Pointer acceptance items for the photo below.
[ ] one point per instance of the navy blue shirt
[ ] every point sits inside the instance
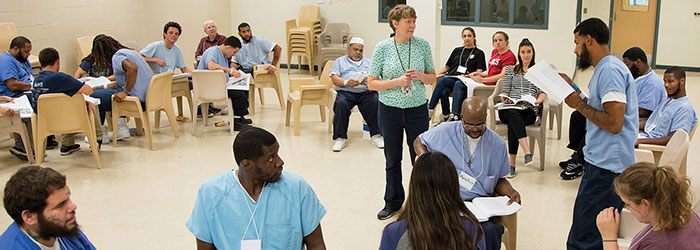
(48, 82)
(395, 236)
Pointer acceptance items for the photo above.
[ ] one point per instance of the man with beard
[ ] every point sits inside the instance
(255, 51)
(480, 156)
(612, 122)
(257, 205)
(38, 200)
(345, 73)
(650, 87)
(674, 113)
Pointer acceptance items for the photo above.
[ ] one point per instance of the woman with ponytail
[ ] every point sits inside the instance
(659, 197)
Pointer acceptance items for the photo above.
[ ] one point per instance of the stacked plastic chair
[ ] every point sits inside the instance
(333, 42)
(301, 40)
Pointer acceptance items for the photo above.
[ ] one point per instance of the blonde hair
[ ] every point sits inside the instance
(400, 11)
(663, 187)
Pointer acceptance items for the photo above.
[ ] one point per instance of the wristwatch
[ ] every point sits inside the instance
(345, 82)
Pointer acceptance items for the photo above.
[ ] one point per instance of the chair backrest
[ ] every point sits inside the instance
(159, 91)
(644, 155)
(676, 149)
(696, 208)
(335, 34)
(59, 113)
(497, 91)
(8, 31)
(83, 47)
(308, 14)
(325, 77)
(692, 132)
(209, 85)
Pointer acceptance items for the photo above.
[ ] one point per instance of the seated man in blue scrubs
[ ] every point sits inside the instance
(38, 200)
(257, 205)
(480, 156)
(255, 51)
(675, 112)
(650, 87)
(165, 55)
(218, 58)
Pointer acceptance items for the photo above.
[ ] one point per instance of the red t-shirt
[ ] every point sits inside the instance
(498, 62)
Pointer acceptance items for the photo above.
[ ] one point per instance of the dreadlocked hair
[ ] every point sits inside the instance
(103, 48)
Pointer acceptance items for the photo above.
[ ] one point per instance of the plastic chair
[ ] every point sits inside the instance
(299, 43)
(305, 91)
(209, 86)
(157, 98)
(510, 234)
(658, 151)
(555, 111)
(535, 132)
(14, 125)
(333, 42)
(61, 114)
(8, 31)
(181, 88)
(676, 150)
(481, 91)
(644, 155)
(265, 80)
(83, 47)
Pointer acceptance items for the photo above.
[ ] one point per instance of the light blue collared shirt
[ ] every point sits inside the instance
(650, 90)
(347, 69)
(671, 115)
(143, 76)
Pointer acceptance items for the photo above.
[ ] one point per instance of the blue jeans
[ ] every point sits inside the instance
(595, 193)
(393, 122)
(442, 93)
(493, 234)
(345, 101)
(105, 96)
(459, 93)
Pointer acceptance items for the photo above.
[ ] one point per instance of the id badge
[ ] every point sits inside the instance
(652, 127)
(466, 181)
(461, 69)
(251, 244)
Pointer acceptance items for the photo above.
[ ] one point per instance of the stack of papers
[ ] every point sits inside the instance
(239, 83)
(484, 208)
(20, 105)
(548, 80)
(89, 99)
(95, 81)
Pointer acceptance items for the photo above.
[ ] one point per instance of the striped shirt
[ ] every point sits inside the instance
(516, 84)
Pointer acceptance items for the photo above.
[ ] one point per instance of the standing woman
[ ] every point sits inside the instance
(501, 56)
(515, 85)
(463, 61)
(401, 65)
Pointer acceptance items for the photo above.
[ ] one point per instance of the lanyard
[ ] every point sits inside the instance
(399, 55)
(252, 212)
(468, 57)
(465, 147)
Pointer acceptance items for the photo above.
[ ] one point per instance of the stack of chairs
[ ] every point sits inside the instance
(301, 40)
(333, 42)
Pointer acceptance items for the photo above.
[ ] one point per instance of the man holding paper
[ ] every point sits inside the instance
(255, 51)
(480, 156)
(612, 123)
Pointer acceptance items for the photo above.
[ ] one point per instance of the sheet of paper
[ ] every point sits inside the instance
(548, 80)
(20, 104)
(95, 81)
(182, 75)
(476, 211)
(496, 206)
(240, 83)
(471, 84)
(94, 101)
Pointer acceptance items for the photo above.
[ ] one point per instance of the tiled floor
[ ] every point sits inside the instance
(140, 199)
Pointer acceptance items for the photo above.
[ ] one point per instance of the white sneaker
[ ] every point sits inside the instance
(338, 145)
(106, 137)
(377, 140)
(122, 129)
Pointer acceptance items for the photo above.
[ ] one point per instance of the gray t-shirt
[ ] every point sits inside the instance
(172, 57)
(255, 52)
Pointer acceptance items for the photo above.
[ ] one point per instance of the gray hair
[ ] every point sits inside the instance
(207, 22)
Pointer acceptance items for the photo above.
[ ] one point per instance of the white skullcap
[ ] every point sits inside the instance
(357, 40)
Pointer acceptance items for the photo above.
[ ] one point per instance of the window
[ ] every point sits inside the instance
(497, 13)
(385, 6)
(635, 5)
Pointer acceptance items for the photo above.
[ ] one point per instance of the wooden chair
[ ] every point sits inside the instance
(14, 125)
(658, 151)
(61, 114)
(209, 86)
(262, 80)
(158, 98)
(305, 91)
(83, 47)
(535, 132)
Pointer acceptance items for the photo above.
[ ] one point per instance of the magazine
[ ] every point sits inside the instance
(239, 83)
(525, 102)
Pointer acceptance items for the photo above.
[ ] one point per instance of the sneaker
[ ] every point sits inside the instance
(572, 171)
(199, 114)
(238, 125)
(224, 111)
(19, 153)
(122, 129)
(452, 117)
(51, 143)
(528, 159)
(244, 120)
(66, 150)
(214, 110)
(512, 172)
(385, 214)
(563, 164)
(377, 140)
(340, 144)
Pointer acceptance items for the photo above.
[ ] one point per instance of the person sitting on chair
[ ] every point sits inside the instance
(165, 55)
(255, 51)
(213, 38)
(650, 87)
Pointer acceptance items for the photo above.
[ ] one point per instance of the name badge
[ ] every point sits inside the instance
(466, 181)
(251, 244)
(461, 69)
(652, 126)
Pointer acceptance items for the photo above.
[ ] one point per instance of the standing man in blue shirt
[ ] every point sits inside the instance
(255, 51)
(650, 87)
(39, 202)
(166, 55)
(612, 122)
(257, 206)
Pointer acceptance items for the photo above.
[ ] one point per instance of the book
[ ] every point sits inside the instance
(525, 101)
(95, 81)
(21, 105)
(484, 208)
(239, 83)
(545, 77)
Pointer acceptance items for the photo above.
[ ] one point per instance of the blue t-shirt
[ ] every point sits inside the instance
(88, 65)
(255, 52)
(489, 162)
(613, 152)
(395, 235)
(14, 239)
(348, 69)
(48, 82)
(143, 76)
(286, 211)
(213, 54)
(671, 115)
(650, 91)
(11, 68)
(172, 57)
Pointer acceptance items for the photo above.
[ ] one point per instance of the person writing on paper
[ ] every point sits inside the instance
(218, 58)
(257, 205)
(87, 68)
(165, 55)
(656, 196)
(501, 56)
(213, 38)
(463, 61)
(515, 86)
(611, 130)
(256, 51)
(434, 217)
(650, 87)
(674, 113)
(345, 73)
(401, 66)
(479, 156)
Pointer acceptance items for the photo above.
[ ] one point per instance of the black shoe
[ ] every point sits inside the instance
(51, 143)
(243, 120)
(209, 114)
(213, 110)
(563, 164)
(66, 150)
(19, 153)
(572, 171)
(238, 125)
(385, 214)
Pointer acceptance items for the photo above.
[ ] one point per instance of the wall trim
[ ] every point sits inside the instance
(687, 69)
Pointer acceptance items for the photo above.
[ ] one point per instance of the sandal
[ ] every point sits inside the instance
(181, 119)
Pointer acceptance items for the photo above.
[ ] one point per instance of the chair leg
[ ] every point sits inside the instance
(40, 147)
(179, 105)
(278, 89)
(92, 139)
(322, 109)
(229, 105)
(551, 120)
(289, 63)
(205, 112)
(156, 122)
(140, 124)
(299, 63)
(115, 126)
(289, 109)
(331, 116)
(146, 123)
(251, 97)
(188, 95)
(194, 120)
(25, 140)
(171, 118)
(297, 116)
(559, 115)
(262, 96)
(542, 143)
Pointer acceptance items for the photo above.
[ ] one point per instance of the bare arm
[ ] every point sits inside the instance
(443, 70)
(644, 113)
(132, 71)
(185, 70)
(490, 78)
(277, 52)
(419, 147)
(16, 85)
(503, 187)
(314, 241)
(86, 90)
(611, 118)
(214, 66)
(153, 60)
(201, 245)
(79, 73)
(655, 141)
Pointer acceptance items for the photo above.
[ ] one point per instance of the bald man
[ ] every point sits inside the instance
(480, 156)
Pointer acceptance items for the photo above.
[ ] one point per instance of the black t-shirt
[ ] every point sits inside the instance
(88, 65)
(48, 82)
(473, 58)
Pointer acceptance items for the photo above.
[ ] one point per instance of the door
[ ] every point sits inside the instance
(633, 25)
